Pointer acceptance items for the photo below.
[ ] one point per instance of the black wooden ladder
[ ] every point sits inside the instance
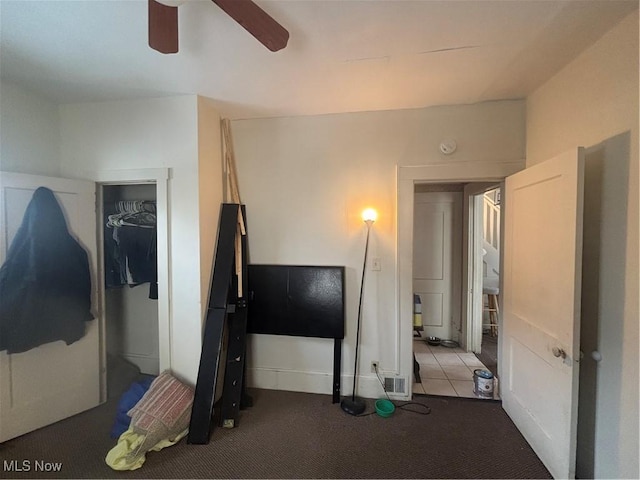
(226, 305)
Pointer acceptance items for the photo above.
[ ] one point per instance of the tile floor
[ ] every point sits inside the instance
(445, 371)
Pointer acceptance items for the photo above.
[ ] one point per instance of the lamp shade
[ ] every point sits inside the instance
(369, 215)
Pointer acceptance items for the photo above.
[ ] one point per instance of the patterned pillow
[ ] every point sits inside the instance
(163, 412)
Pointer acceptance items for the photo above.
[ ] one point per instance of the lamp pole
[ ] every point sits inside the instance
(355, 406)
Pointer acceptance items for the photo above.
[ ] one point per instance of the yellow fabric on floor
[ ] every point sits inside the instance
(126, 455)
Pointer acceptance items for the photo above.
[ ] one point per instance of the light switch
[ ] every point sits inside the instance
(375, 264)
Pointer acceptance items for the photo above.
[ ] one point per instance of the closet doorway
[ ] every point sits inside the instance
(131, 282)
(134, 293)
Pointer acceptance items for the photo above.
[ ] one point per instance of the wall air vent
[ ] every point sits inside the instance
(395, 384)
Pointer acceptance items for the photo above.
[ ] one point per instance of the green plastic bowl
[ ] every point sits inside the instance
(384, 407)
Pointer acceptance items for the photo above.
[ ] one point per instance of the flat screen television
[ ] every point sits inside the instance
(297, 300)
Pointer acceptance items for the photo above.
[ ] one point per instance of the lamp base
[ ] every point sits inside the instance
(353, 406)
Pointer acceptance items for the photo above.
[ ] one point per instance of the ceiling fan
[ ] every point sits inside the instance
(163, 24)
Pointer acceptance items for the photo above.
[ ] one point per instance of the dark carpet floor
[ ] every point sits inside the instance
(298, 435)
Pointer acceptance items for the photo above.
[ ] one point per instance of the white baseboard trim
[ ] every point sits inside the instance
(316, 382)
(147, 365)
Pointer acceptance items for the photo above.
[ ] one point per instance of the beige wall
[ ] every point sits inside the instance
(593, 102)
(210, 187)
(29, 133)
(305, 181)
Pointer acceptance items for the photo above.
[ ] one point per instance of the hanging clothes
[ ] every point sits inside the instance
(130, 245)
(45, 282)
(133, 213)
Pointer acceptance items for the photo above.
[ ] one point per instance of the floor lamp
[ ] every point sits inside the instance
(354, 405)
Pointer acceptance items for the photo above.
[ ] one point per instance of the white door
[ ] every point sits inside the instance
(53, 381)
(437, 250)
(541, 311)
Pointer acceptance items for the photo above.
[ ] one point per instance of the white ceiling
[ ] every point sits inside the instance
(342, 56)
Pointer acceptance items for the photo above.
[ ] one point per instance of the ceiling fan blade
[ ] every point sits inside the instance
(257, 22)
(163, 27)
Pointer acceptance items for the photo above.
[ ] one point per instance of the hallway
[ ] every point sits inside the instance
(446, 371)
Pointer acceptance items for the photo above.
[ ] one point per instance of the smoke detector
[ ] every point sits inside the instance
(447, 147)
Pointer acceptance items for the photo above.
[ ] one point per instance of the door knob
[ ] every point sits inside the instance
(596, 355)
(558, 352)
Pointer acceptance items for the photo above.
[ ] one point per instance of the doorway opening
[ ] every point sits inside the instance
(407, 178)
(157, 181)
(456, 265)
(129, 239)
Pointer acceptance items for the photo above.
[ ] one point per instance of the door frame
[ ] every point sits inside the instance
(407, 177)
(160, 177)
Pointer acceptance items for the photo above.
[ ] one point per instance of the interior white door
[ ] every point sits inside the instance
(436, 260)
(541, 306)
(55, 380)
